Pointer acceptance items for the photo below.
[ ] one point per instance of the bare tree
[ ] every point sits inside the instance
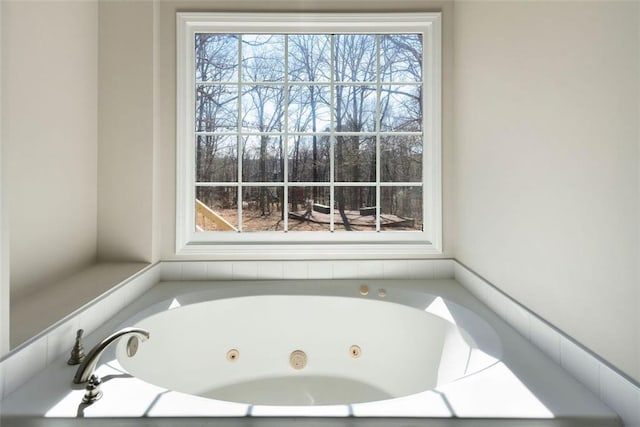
(374, 82)
(215, 56)
(309, 56)
(355, 106)
(263, 105)
(401, 111)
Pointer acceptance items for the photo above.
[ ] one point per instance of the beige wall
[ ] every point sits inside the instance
(49, 96)
(164, 205)
(125, 129)
(4, 231)
(546, 162)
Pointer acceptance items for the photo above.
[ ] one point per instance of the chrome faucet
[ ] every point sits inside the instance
(88, 365)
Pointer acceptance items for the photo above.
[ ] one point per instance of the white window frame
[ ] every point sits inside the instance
(309, 244)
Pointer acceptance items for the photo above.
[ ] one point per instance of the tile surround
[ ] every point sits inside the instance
(244, 270)
(346, 270)
(61, 339)
(270, 270)
(443, 269)
(102, 310)
(580, 364)
(614, 389)
(23, 364)
(217, 270)
(295, 270)
(520, 319)
(194, 271)
(35, 354)
(394, 269)
(545, 338)
(171, 270)
(620, 395)
(367, 270)
(419, 270)
(320, 270)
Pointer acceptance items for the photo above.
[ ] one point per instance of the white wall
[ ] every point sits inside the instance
(164, 205)
(4, 230)
(125, 156)
(49, 97)
(547, 162)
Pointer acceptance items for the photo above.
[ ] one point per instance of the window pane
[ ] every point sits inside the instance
(309, 109)
(355, 108)
(262, 209)
(401, 58)
(216, 208)
(216, 57)
(355, 159)
(347, 99)
(309, 158)
(262, 108)
(216, 108)
(401, 209)
(401, 108)
(309, 57)
(355, 58)
(262, 57)
(216, 158)
(353, 206)
(309, 208)
(262, 158)
(401, 158)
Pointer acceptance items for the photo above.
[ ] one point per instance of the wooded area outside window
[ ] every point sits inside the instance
(308, 128)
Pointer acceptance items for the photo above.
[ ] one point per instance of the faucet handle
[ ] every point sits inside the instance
(77, 352)
(92, 391)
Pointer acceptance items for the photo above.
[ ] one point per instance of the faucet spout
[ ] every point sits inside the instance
(86, 368)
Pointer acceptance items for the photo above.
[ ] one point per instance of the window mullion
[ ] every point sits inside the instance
(377, 128)
(285, 148)
(332, 137)
(193, 176)
(239, 128)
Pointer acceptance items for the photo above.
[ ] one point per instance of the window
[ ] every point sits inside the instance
(309, 129)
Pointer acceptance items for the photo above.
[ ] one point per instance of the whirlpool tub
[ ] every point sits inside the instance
(329, 353)
(298, 350)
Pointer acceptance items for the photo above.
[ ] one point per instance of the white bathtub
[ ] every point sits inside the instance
(310, 350)
(428, 354)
